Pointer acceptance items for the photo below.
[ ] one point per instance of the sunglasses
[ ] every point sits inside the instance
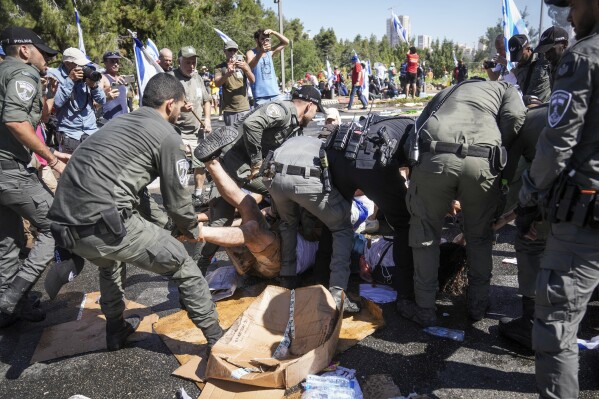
(231, 50)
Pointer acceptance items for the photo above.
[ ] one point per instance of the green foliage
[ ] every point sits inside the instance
(176, 23)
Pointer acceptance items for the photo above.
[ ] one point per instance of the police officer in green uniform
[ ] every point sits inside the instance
(532, 72)
(530, 242)
(21, 193)
(94, 211)
(565, 177)
(262, 130)
(458, 135)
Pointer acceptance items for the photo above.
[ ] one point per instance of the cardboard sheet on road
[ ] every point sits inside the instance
(187, 342)
(218, 389)
(184, 339)
(89, 333)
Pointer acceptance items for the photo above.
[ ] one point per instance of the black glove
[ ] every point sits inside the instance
(525, 216)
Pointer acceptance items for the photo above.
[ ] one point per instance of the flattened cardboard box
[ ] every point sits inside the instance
(244, 353)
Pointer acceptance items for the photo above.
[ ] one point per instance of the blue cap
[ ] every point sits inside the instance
(354, 58)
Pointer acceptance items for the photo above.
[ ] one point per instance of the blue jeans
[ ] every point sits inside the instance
(363, 99)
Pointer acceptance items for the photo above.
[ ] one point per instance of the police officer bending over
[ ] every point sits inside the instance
(565, 177)
(459, 135)
(22, 194)
(93, 212)
(263, 129)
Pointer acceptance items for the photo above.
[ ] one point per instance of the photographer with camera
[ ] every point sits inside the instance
(78, 90)
(114, 86)
(232, 75)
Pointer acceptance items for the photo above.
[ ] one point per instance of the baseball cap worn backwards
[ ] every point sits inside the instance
(516, 45)
(550, 38)
(74, 55)
(17, 35)
(311, 94)
(187, 51)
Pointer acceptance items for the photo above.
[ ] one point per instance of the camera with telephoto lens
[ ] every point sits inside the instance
(489, 64)
(91, 74)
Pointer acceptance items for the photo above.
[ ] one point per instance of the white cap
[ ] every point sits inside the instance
(75, 55)
(333, 113)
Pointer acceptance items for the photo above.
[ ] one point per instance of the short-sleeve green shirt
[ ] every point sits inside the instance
(20, 101)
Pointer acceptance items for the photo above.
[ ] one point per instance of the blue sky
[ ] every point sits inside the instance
(462, 21)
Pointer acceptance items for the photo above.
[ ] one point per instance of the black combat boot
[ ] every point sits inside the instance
(425, 317)
(520, 329)
(212, 145)
(10, 298)
(212, 334)
(477, 309)
(117, 331)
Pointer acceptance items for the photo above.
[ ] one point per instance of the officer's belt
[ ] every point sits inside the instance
(463, 150)
(297, 170)
(12, 164)
(97, 228)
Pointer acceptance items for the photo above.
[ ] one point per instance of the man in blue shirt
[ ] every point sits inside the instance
(265, 88)
(74, 99)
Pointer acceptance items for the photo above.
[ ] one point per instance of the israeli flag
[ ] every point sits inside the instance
(330, 74)
(401, 31)
(356, 54)
(152, 49)
(145, 64)
(79, 32)
(222, 35)
(513, 24)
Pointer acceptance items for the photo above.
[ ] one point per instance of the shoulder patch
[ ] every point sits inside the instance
(273, 110)
(25, 90)
(558, 106)
(565, 69)
(182, 167)
(30, 75)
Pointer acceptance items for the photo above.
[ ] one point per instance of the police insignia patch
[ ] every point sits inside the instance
(558, 106)
(273, 110)
(182, 168)
(25, 90)
(565, 69)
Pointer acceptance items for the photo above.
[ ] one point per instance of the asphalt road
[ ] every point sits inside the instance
(483, 366)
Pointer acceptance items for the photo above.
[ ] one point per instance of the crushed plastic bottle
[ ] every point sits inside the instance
(329, 387)
(455, 335)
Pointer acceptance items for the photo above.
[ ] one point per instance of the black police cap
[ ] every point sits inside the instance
(309, 93)
(18, 35)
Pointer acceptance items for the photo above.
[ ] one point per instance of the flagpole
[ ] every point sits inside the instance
(541, 20)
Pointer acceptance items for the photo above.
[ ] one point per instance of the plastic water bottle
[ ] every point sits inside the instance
(316, 381)
(455, 335)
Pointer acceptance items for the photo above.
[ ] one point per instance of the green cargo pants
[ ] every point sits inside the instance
(151, 248)
(435, 182)
(568, 276)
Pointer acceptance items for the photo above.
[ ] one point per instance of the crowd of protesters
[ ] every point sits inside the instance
(529, 130)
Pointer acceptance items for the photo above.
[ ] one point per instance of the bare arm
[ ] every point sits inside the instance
(283, 41)
(253, 58)
(25, 134)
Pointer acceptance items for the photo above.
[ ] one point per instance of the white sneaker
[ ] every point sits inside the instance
(372, 226)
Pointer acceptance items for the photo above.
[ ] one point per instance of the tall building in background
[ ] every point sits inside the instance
(424, 42)
(394, 39)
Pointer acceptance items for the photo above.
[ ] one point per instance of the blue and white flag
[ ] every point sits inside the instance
(455, 60)
(79, 31)
(222, 35)
(368, 68)
(513, 24)
(145, 64)
(399, 29)
(152, 49)
(356, 54)
(330, 74)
